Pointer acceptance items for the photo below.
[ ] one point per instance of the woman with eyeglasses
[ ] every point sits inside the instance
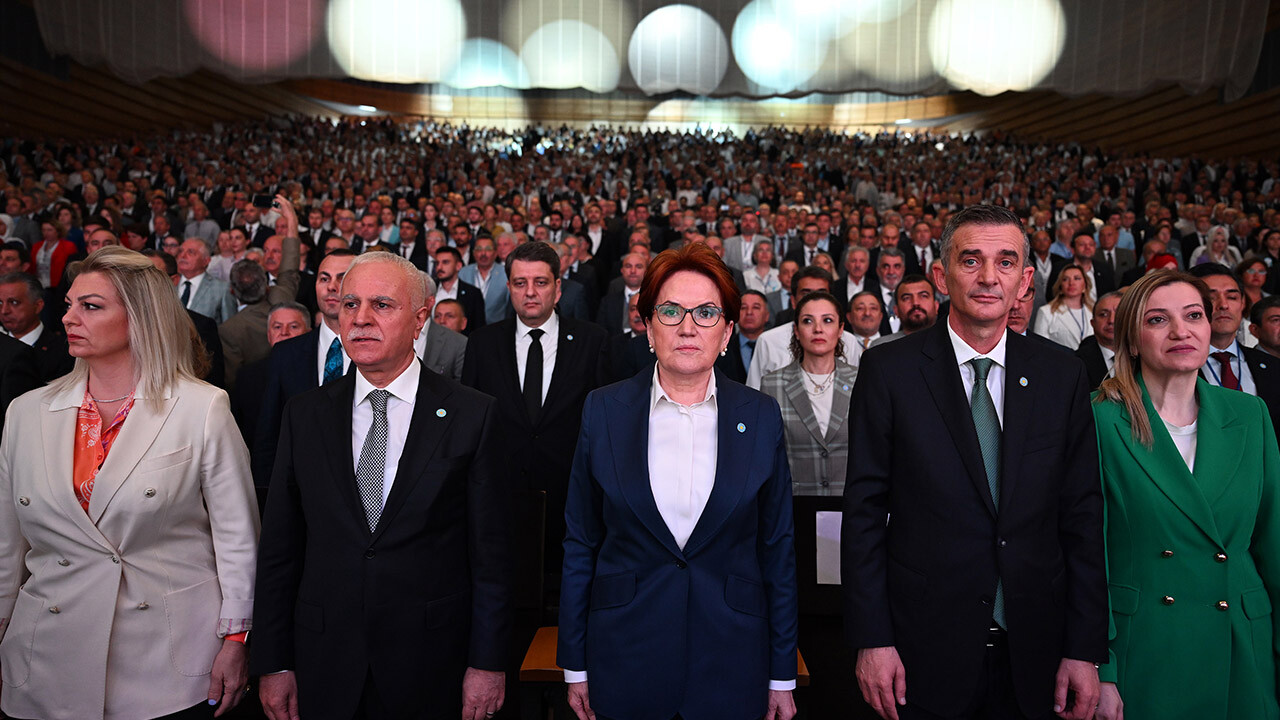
(679, 589)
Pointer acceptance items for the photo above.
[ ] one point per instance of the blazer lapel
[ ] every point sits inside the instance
(841, 391)
(794, 389)
(426, 429)
(628, 427)
(1019, 401)
(566, 360)
(733, 460)
(511, 370)
(1218, 437)
(942, 376)
(337, 442)
(1164, 465)
(58, 426)
(136, 437)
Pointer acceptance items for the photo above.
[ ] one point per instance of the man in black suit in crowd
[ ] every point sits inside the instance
(1230, 364)
(399, 606)
(21, 302)
(1101, 279)
(985, 596)
(1098, 351)
(448, 263)
(302, 363)
(920, 250)
(610, 315)
(753, 319)
(857, 276)
(19, 372)
(629, 352)
(411, 247)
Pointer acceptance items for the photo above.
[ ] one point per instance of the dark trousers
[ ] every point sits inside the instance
(995, 701)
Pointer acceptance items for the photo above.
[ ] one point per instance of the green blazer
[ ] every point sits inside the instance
(1193, 561)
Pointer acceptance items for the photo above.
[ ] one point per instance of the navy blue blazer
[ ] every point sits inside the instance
(661, 630)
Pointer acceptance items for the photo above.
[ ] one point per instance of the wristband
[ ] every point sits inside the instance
(239, 637)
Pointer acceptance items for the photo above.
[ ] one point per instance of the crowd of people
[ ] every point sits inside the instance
(652, 342)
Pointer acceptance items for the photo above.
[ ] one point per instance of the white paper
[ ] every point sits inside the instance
(828, 527)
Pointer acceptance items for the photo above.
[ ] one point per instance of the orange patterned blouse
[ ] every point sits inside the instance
(92, 444)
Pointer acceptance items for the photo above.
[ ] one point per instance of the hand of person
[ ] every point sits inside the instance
(580, 702)
(1110, 706)
(883, 680)
(1080, 677)
(229, 680)
(781, 705)
(287, 212)
(279, 695)
(482, 693)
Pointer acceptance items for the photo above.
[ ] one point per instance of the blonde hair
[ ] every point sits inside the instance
(1123, 387)
(1059, 299)
(163, 342)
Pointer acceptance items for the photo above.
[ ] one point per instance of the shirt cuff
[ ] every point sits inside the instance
(575, 676)
(782, 684)
(229, 626)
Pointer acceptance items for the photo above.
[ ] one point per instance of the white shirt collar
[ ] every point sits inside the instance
(404, 387)
(657, 394)
(551, 327)
(31, 337)
(964, 353)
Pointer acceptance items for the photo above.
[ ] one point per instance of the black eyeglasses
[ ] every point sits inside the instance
(673, 314)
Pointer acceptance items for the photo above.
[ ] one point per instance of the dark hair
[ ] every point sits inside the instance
(797, 351)
(1209, 270)
(170, 262)
(535, 251)
(756, 293)
(812, 271)
(910, 279)
(24, 255)
(1263, 305)
(248, 281)
(340, 252)
(35, 291)
(985, 215)
(449, 250)
(695, 258)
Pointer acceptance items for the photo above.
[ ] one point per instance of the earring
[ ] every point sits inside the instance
(650, 348)
(724, 352)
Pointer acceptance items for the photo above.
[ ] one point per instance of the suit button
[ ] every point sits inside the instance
(823, 453)
(681, 564)
(115, 559)
(24, 501)
(1003, 542)
(143, 606)
(1167, 600)
(64, 562)
(370, 553)
(149, 492)
(1166, 554)
(1222, 605)
(1220, 557)
(54, 610)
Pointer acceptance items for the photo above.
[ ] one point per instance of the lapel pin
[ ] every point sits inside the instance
(845, 388)
(1262, 365)
(1022, 381)
(568, 337)
(742, 428)
(441, 413)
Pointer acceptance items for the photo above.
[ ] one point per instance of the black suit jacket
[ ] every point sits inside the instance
(629, 355)
(1265, 370)
(52, 354)
(207, 329)
(19, 372)
(472, 306)
(911, 266)
(537, 453)
(573, 301)
(1094, 364)
(412, 603)
(609, 316)
(841, 289)
(924, 580)
(731, 362)
(291, 371)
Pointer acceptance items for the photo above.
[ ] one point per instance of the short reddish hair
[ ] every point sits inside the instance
(694, 257)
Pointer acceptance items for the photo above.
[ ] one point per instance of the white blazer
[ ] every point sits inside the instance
(114, 613)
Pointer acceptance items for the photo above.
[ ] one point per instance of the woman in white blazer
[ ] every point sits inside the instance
(128, 524)
(1066, 319)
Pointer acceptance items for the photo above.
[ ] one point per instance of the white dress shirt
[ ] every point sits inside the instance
(853, 288)
(447, 294)
(886, 296)
(195, 287)
(550, 341)
(1212, 370)
(404, 391)
(420, 343)
(773, 351)
(327, 337)
(1109, 357)
(995, 376)
(31, 337)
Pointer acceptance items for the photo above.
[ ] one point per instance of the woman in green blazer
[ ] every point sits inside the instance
(1191, 476)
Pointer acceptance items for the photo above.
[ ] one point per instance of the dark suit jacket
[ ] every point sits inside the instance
(925, 581)
(536, 454)
(731, 362)
(52, 354)
(19, 372)
(472, 306)
(657, 626)
(412, 603)
(208, 332)
(1265, 370)
(586, 276)
(1094, 364)
(609, 316)
(911, 266)
(246, 399)
(291, 371)
(841, 288)
(573, 301)
(629, 355)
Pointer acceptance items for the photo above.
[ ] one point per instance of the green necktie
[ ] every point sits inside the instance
(987, 423)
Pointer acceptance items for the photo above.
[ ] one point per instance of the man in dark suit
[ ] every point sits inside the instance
(857, 277)
(1118, 259)
(753, 318)
(21, 302)
(629, 352)
(302, 363)
(985, 595)
(920, 251)
(1101, 279)
(1098, 351)
(400, 607)
(448, 263)
(612, 307)
(410, 248)
(1230, 364)
(19, 372)
(804, 253)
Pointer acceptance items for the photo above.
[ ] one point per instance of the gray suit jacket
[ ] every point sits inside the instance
(212, 299)
(733, 251)
(887, 339)
(818, 462)
(444, 351)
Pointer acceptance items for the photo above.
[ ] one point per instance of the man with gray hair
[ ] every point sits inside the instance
(244, 335)
(21, 301)
(400, 468)
(199, 291)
